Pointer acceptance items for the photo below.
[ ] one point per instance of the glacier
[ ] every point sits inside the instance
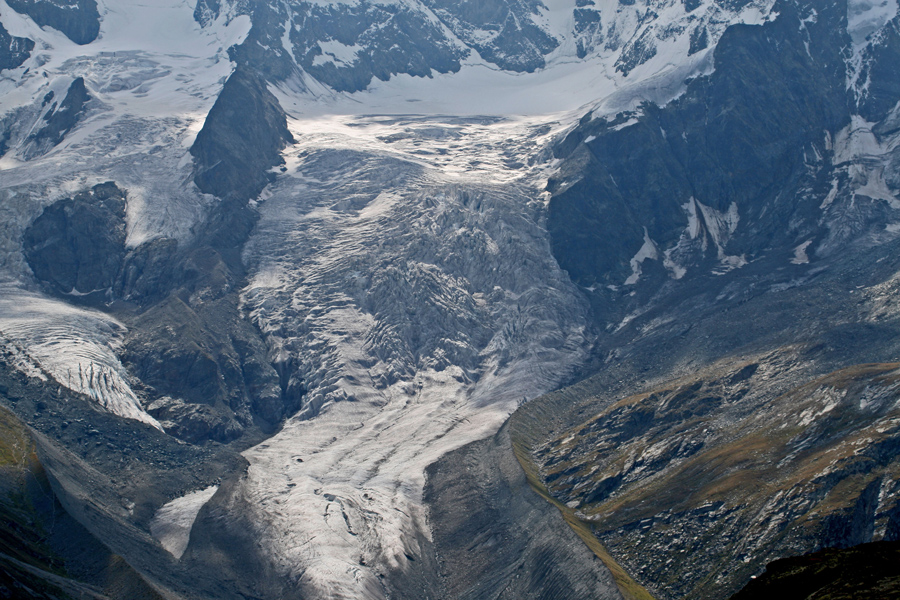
(401, 262)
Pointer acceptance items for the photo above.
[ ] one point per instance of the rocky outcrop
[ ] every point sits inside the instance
(79, 20)
(404, 279)
(498, 538)
(203, 368)
(729, 465)
(806, 458)
(503, 32)
(109, 476)
(44, 552)
(263, 51)
(347, 46)
(77, 248)
(77, 245)
(656, 192)
(704, 229)
(241, 139)
(864, 571)
(146, 270)
(13, 52)
(59, 119)
(206, 370)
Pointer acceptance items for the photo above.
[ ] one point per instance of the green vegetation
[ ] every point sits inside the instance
(630, 589)
(693, 484)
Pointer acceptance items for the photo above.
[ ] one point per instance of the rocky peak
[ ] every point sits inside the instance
(79, 20)
(13, 51)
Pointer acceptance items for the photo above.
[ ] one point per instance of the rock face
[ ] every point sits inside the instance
(79, 20)
(13, 51)
(504, 33)
(77, 246)
(58, 119)
(200, 385)
(44, 552)
(713, 469)
(357, 306)
(395, 295)
(711, 227)
(94, 481)
(206, 371)
(500, 524)
(349, 45)
(715, 164)
(865, 571)
(797, 468)
(112, 474)
(241, 139)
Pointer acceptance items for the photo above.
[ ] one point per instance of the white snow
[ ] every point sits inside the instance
(856, 140)
(720, 227)
(825, 401)
(625, 124)
(832, 194)
(865, 17)
(565, 84)
(338, 53)
(865, 20)
(159, 41)
(387, 230)
(693, 226)
(875, 186)
(865, 157)
(154, 74)
(800, 256)
(647, 251)
(172, 523)
(705, 225)
(669, 263)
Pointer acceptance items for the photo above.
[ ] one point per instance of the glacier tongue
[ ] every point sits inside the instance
(419, 309)
(73, 345)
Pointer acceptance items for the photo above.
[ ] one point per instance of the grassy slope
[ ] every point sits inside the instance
(740, 464)
(523, 432)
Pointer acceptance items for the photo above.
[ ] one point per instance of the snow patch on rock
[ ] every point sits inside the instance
(172, 523)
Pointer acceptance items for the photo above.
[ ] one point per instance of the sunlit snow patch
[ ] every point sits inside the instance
(172, 524)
